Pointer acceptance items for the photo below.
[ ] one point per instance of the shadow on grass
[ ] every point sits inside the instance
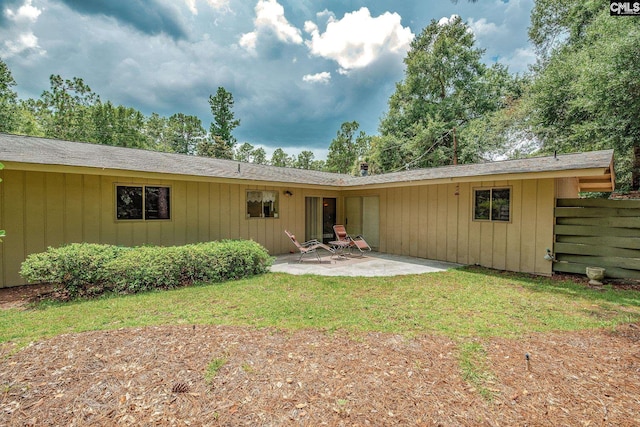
(58, 297)
(566, 285)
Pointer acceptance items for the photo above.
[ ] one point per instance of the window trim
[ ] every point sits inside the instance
(491, 190)
(144, 210)
(276, 207)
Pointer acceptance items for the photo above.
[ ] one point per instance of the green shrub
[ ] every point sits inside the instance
(77, 268)
(83, 268)
(145, 268)
(150, 267)
(224, 260)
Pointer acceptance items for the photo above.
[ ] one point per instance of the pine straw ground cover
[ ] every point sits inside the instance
(156, 376)
(247, 375)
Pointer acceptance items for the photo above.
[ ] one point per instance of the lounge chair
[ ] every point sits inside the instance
(308, 247)
(354, 242)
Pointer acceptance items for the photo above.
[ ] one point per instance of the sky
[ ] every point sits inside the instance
(297, 69)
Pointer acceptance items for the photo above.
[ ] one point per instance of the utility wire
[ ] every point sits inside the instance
(437, 141)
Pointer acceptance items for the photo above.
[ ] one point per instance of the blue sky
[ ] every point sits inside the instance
(297, 69)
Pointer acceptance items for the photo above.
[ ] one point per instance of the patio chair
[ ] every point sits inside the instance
(308, 247)
(354, 242)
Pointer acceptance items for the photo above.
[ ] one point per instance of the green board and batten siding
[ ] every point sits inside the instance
(598, 233)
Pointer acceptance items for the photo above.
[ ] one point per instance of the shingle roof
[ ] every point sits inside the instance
(34, 150)
(562, 162)
(28, 149)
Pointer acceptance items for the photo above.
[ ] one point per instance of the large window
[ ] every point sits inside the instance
(493, 204)
(143, 202)
(262, 204)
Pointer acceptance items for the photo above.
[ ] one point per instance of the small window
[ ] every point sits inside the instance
(492, 204)
(262, 204)
(143, 202)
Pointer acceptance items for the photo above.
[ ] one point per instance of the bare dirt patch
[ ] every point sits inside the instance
(20, 296)
(156, 376)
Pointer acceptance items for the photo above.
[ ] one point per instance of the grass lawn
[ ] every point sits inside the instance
(462, 303)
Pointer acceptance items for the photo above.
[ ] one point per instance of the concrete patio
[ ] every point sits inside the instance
(371, 264)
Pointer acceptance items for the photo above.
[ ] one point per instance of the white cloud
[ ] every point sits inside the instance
(358, 39)
(248, 41)
(270, 16)
(310, 27)
(270, 19)
(326, 15)
(219, 4)
(323, 78)
(21, 38)
(191, 4)
(24, 42)
(520, 60)
(445, 21)
(25, 13)
(483, 28)
(215, 4)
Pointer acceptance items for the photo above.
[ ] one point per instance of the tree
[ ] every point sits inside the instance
(259, 156)
(280, 158)
(117, 125)
(586, 94)
(305, 160)
(244, 152)
(249, 154)
(222, 141)
(505, 131)
(156, 129)
(559, 22)
(388, 154)
(8, 100)
(27, 122)
(184, 133)
(318, 165)
(65, 110)
(216, 147)
(445, 86)
(347, 148)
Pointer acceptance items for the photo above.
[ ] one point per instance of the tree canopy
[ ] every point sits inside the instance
(446, 85)
(185, 132)
(222, 142)
(8, 99)
(65, 109)
(347, 148)
(281, 159)
(586, 91)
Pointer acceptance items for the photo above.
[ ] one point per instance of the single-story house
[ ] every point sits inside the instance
(498, 214)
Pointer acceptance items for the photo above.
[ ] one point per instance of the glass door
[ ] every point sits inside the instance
(320, 217)
(328, 219)
(363, 217)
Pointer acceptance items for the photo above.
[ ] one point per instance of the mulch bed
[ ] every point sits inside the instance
(156, 376)
(20, 296)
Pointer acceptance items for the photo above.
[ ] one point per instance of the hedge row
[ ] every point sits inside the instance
(89, 269)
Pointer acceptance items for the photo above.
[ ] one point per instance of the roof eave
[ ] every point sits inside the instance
(595, 174)
(606, 182)
(159, 176)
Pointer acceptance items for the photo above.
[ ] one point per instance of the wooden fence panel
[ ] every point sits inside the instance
(595, 230)
(612, 241)
(598, 203)
(598, 233)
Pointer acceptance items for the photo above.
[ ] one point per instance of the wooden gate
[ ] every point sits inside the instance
(598, 233)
